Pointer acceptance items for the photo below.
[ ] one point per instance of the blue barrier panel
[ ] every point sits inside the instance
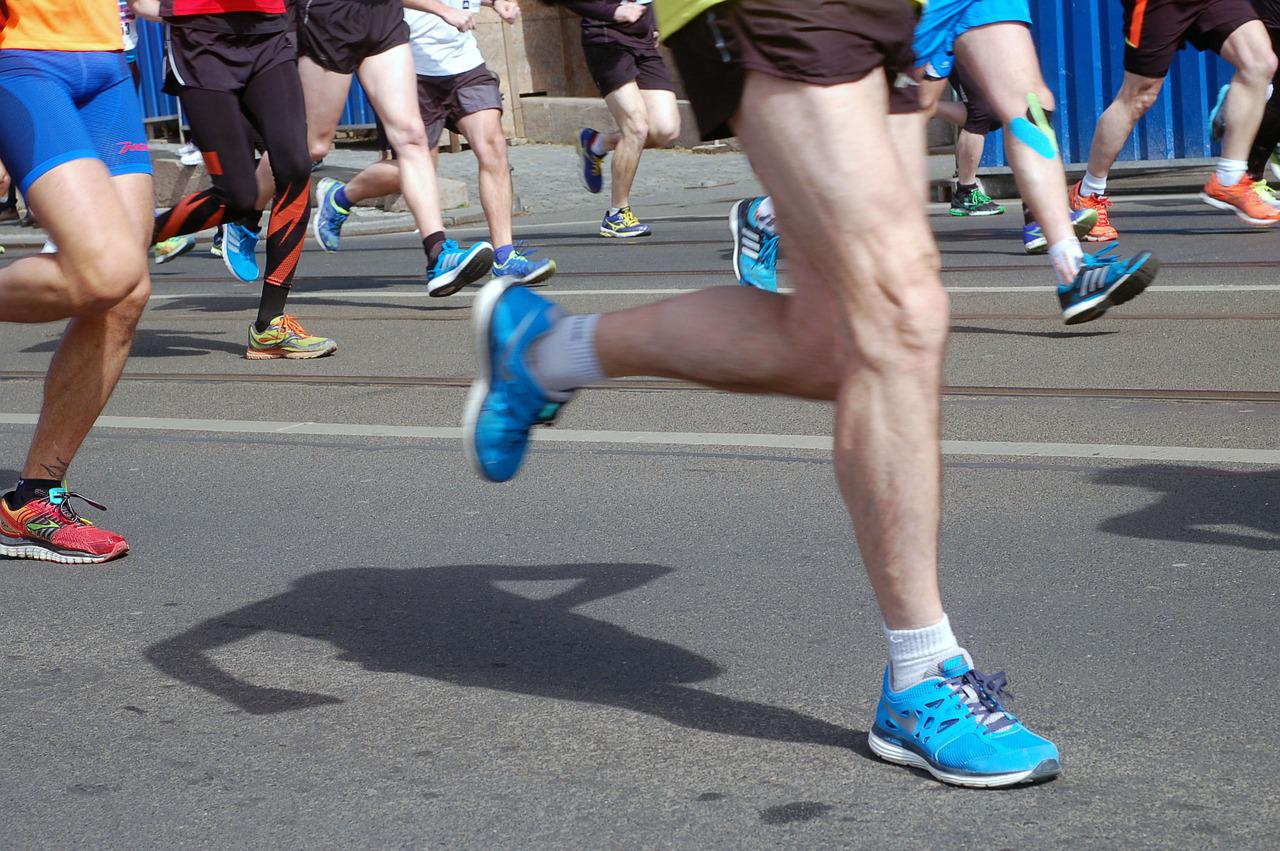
(158, 105)
(1081, 47)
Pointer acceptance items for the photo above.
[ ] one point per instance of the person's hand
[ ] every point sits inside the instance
(459, 20)
(628, 13)
(508, 10)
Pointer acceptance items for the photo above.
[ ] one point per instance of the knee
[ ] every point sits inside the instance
(635, 127)
(1139, 97)
(318, 149)
(491, 150)
(905, 334)
(241, 196)
(110, 280)
(288, 171)
(406, 134)
(1259, 68)
(663, 133)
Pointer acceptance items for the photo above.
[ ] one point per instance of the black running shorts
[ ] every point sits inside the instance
(613, 65)
(807, 41)
(1154, 30)
(340, 34)
(220, 61)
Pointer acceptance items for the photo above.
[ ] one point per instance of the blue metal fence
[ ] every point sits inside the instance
(158, 105)
(1081, 47)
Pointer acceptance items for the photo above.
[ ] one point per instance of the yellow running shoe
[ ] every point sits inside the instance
(285, 338)
(1266, 193)
(172, 248)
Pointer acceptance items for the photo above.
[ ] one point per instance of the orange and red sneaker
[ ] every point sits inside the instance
(1102, 231)
(1241, 199)
(48, 529)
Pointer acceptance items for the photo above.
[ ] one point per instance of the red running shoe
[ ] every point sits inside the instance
(48, 529)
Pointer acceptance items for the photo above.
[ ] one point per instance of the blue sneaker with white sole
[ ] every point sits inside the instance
(505, 401)
(590, 166)
(1082, 221)
(456, 267)
(623, 225)
(329, 218)
(239, 245)
(521, 267)
(955, 726)
(1103, 282)
(755, 247)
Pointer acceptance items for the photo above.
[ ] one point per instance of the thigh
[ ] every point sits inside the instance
(1226, 21)
(226, 140)
(1001, 60)
(652, 74)
(324, 93)
(625, 103)
(113, 118)
(480, 128)
(935, 35)
(660, 106)
(392, 86)
(1248, 44)
(273, 102)
(1154, 31)
(42, 127)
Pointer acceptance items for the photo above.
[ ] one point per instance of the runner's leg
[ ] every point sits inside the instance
(1249, 50)
(483, 130)
(1117, 121)
(1264, 144)
(629, 110)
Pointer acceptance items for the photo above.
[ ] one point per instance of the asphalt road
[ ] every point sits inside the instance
(331, 634)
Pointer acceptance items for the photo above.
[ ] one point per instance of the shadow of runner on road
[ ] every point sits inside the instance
(456, 624)
(1198, 499)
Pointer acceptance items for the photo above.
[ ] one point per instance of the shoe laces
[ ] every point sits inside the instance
(1102, 204)
(1264, 190)
(291, 325)
(982, 697)
(768, 255)
(60, 499)
(1102, 258)
(629, 218)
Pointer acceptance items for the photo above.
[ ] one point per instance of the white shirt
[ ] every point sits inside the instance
(440, 50)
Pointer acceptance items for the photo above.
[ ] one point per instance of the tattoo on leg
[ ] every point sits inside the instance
(57, 471)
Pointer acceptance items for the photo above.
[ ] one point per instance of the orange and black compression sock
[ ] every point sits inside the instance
(192, 214)
(286, 233)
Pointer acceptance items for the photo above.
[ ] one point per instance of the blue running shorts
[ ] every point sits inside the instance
(944, 21)
(60, 106)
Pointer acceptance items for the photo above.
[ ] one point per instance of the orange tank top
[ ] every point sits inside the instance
(78, 25)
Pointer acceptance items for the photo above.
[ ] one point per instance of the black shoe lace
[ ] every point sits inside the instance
(68, 511)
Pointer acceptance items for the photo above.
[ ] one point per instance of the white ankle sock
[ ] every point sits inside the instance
(914, 654)
(1067, 257)
(1091, 185)
(1230, 171)
(596, 145)
(564, 358)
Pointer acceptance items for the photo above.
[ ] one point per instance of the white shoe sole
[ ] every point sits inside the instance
(478, 261)
(481, 317)
(733, 230)
(901, 756)
(38, 553)
(1240, 214)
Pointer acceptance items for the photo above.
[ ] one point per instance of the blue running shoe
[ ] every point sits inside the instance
(238, 246)
(591, 167)
(1217, 121)
(755, 247)
(955, 727)
(330, 218)
(457, 266)
(1103, 282)
(623, 225)
(505, 401)
(523, 270)
(1082, 221)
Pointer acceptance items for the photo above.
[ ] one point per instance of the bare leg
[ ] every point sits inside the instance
(1002, 60)
(1249, 50)
(324, 93)
(392, 86)
(88, 274)
(908, 131)
(484, 133)
(868, 328)
(968, 155)
(628, 109)
(94, 348)
(1117, 121)
(374, 181)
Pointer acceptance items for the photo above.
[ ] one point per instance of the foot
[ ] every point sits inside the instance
(49, 529)
(1103, 282)
(1266, 193)
(1082, 221)
(1102, 231)
(1217, 121)
(505, 402)
(285, 338)
(974, 202)
(955, 726)
(239, 245)
(755, 247)
(329, 216)
(523, 270)
(590, 166)
(457, 266)
(173, 248)
(189, 154)
(215, 248)
(1240, 199)
(623, 225)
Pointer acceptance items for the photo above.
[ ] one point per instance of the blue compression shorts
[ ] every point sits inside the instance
(60, 106)
(944, 21)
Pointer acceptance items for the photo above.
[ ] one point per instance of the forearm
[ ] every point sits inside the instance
(149, 9)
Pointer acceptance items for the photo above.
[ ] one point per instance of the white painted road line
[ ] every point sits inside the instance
(1116, 452)
(415, 294)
